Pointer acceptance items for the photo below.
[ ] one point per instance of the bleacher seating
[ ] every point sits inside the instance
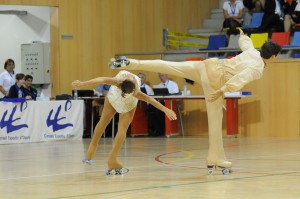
(256, 20)
(215, 42)
(259, 39)
(281, 38)
(233, 42)
(252, 22)
(295, 42)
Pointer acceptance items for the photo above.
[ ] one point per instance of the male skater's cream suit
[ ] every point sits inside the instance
(227, 75)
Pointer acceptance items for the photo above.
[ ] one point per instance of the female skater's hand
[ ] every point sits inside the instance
(76, 83)
(214, 96)
(170, 114)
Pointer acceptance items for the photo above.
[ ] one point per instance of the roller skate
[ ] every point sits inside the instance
(87, 161)
(115, 172)
(118, 63)
(224, 166)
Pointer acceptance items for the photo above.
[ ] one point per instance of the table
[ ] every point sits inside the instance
(171, 126)
(36, 121)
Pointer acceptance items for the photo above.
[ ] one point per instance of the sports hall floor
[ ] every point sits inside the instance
(161, 167)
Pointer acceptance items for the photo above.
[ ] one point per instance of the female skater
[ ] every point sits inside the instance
(217, 76)
(122, 97)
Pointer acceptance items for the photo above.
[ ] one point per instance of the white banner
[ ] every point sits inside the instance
(35, 121)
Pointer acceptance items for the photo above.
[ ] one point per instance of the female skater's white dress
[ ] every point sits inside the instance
(114, 96)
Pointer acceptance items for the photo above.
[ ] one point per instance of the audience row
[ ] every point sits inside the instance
(278, 15)
(14, 85)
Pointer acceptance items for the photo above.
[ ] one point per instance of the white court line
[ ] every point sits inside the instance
(72, 173)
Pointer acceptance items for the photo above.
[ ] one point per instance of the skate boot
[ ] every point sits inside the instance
(223, 165)
(115, 171)
(87, 161)
(118, 63)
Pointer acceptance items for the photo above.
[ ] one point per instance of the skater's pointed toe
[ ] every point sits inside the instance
(87, 161)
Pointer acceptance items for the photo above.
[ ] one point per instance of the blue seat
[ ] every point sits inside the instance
(215, 42)
(256, 20)
(233, 42)
(295, 42)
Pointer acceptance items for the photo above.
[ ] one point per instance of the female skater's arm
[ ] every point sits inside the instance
(170, 113)
(96, 81)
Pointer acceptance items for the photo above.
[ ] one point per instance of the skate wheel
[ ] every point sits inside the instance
(85, 160)
(107, 172)
(120, 171)
(226, 171)
(90, 162)
(210, 171)
(113, 172)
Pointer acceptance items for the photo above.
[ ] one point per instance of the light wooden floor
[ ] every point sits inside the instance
(158, 168)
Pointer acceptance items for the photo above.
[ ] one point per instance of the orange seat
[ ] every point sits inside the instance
(194, 59)
(281, 38)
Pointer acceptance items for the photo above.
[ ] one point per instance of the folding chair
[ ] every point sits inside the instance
(281, 38)
(256, 20)
(215, 42)
(296, 40)
(258, 39)
(233, 42)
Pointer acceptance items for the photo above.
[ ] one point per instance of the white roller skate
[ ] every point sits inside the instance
(224, 166)
(118, 63)
(115, 171)
(85, 160)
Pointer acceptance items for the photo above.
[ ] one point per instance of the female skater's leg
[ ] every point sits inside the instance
(107, 114)
(124, 121)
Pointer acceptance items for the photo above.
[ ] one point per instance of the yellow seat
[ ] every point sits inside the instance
(259, 39)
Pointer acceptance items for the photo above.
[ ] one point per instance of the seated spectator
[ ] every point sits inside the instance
(7, 78)
(273, 17)
(254, 5)
(291, 9)
(143, 78)
(233, 11)
(258, 6)
(167, 83)
(17, 90)
(156, 118)
(28, 90)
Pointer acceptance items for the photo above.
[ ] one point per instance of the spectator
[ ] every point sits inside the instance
(273, 17)
(156, 118)
(254, 5)
(291, 9)
(28, 90)
(7, 78)
(167, 83)
(148, 89)
(233, 11)
(17, 90)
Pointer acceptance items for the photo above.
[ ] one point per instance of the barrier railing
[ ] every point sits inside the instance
(178, 39)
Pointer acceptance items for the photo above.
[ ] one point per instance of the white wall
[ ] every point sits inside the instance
(19, 29)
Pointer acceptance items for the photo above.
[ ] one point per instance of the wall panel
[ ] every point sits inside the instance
(30, 2)
(102, 28)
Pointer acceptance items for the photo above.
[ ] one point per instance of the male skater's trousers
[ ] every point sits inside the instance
(210, 76)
